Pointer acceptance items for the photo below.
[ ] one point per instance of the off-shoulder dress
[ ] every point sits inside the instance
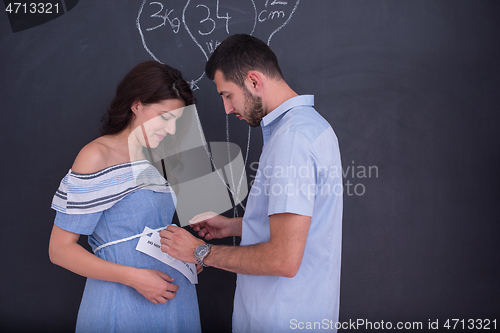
(113, 204)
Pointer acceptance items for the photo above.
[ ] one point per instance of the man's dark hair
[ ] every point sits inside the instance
(239, 54)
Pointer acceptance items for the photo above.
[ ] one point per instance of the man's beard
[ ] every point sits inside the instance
(253, 109)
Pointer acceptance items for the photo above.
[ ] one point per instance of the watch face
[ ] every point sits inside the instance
(201, 251)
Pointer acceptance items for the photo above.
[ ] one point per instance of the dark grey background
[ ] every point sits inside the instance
(410, 87)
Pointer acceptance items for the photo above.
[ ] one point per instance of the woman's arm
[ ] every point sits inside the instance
(64, 251)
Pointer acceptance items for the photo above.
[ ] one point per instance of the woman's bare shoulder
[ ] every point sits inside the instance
(93, 157)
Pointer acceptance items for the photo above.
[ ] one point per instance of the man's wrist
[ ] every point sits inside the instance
(201, 252)
(236, 226)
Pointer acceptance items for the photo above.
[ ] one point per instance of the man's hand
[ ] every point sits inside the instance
(212, 226)
(286, 244)
(179, 243)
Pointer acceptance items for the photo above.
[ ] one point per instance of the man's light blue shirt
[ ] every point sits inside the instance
(299, 172)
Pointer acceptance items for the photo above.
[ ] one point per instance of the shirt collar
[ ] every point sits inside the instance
(286, 106)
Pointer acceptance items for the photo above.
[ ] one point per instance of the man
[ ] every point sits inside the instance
(288, 261)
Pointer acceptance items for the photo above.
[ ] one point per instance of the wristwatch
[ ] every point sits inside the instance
(201, 252)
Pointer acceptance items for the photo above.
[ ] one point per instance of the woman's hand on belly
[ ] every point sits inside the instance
(156, 286)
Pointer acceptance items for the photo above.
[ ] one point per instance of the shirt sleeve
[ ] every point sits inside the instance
(83, 224)
(290, 175)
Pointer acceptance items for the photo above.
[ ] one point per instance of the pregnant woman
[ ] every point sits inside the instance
(111, 193)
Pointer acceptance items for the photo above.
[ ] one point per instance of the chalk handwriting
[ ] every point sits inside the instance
(205, 20)
(174, 23)
(211, 46)
(206, 23)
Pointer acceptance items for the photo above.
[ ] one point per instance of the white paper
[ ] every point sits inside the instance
(151, 246)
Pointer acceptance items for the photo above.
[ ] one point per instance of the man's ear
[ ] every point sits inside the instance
(254, 81)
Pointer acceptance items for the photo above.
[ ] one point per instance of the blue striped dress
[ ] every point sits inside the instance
(109, 205)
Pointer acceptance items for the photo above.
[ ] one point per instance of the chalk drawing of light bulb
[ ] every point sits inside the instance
(184, 35)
